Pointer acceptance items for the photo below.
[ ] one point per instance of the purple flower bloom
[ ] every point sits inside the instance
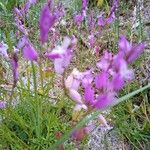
(78, 19)
(91, 40)
(130, 52)
(121, 67)
(106, 61)
(29, 52)
(104, 100)
(106, 21)
(75, 96)
(61, 55)
(117, 82)
(2, 104)
(22, 42)
(135, 52)
(84, 4)
(3, 50)
(73, 80)
(101, 80)
(87, 78)
(101, 21)
(89, 94)
(33, 1)
(47, 20)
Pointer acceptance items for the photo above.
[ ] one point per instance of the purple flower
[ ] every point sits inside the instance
(3, 50)
(87, 78)
(121, 67)
(47, 20)
(33, 1)
(72, 84)
(78, 19)
(91, 40)
(74, 95)
(2, 104)
(73, 80)
(89, 94)
(101, 80)
(130, 52)
(135, 52)
(106, 61)
(106, 21)
(84, 4)
(117, 82)
(104, 100)
(22, 42)
(29, 52)
(61, 55)
(101, 21)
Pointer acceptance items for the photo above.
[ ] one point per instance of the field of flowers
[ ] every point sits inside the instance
(72, 73)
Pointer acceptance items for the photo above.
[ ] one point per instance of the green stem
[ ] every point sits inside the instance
(37, 101)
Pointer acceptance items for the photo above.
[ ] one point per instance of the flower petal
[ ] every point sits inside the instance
(29, 52)
(75, 96)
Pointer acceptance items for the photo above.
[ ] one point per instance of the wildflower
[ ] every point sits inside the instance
(3, 50)
(29, 52)
(80, 17)
(91, 40)
(47, 20)
(130, 52)
(105, 62)
(117, 82)
(61, 55)
(87, 78)
(89, 94)
(106, 21)
(101, 80)
(121, 67)
(22, 42)
(2, 104)
(72, 83)
(104, 100)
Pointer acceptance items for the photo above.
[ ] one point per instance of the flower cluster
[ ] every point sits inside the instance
(80, 17)
(99, 89)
